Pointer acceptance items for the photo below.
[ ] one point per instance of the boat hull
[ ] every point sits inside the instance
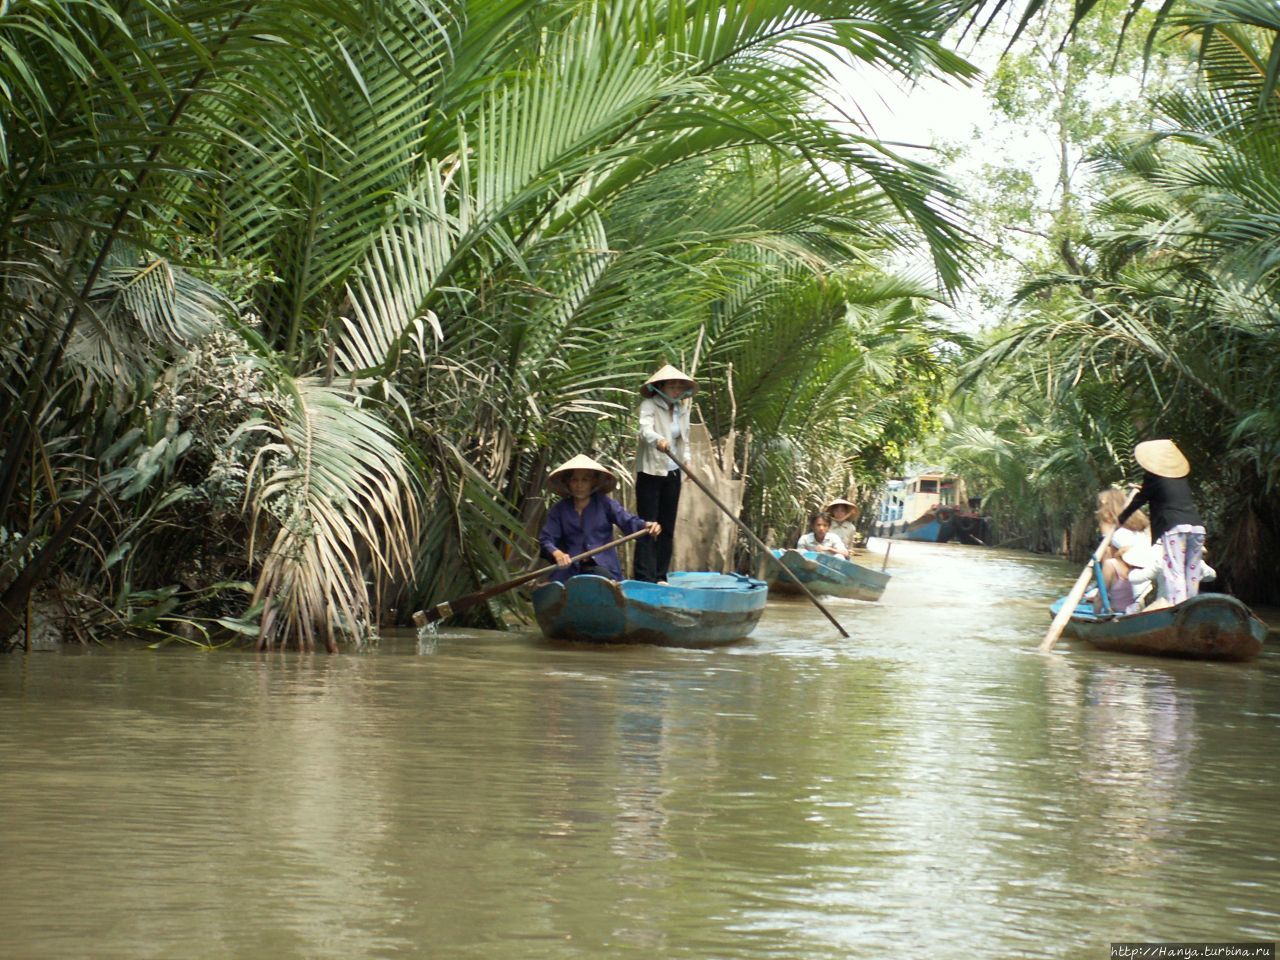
(938, 526)
(1209, 626)
(825, 575)
(692, 610)
(928, 531)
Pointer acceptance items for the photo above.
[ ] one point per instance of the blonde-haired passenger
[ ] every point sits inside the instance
(1135, 532)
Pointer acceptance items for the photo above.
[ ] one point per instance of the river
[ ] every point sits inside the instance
(931, 787)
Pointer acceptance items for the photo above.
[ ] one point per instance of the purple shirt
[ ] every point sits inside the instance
(565, 529)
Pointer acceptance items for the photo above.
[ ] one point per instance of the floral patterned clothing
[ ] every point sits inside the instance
(1182, 564)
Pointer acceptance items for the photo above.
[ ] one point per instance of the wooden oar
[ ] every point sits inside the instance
(754, 539)
(1073, 598)
(447, 609)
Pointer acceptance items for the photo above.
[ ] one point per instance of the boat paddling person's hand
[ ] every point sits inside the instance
(654, 528)
(561, 558)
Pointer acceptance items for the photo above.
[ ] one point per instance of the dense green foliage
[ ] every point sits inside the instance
(1161, 322)
(337, 281)
(302, 300)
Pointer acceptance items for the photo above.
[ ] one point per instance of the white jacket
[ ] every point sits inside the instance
(655, 425)
(831, 543)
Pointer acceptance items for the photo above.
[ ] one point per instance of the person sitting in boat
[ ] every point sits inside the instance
(843, 514)
(820, 539)
(1134, 532)
(585, 519)
(1175, 522)
(664, 429)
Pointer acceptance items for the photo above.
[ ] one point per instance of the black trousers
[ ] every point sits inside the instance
(657, 498)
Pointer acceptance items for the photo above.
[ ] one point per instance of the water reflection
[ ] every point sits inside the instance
(930, 787)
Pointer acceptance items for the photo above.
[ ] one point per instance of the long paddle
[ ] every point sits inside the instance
(1073, 598)
(447, 609)
(756, 540)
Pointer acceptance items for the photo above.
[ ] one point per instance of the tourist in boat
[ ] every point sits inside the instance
(1175, 522)
(1134, 532)
(820, 539)
(843, 515)
(585, 519)
(664, 428)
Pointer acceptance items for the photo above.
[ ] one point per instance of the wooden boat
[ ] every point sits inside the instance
(938, 524)
(692, 610)
(1209, 626)
(826, 575)
(935, 501)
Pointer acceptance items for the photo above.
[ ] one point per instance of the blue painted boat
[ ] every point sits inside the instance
(1209, 626)
(826, 575)
(691, 610)
(938, 525)
(937, 502)
(926, 528)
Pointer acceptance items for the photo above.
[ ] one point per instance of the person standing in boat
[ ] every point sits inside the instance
(584, 519)
(843, 515)
(1175, 522)
(820, 539)
(664, 428)
(1146, 576)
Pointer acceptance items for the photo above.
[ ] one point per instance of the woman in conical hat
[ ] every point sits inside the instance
(843, 514)
(664, 429)
(682, 386)
(1175, 522)
(585, 519)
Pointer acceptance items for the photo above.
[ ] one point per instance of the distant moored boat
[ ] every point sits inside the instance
(929, 506)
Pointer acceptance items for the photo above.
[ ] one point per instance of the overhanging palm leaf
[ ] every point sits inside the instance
(336, 482)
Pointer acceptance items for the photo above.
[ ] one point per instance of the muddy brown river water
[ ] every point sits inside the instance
(932, 787)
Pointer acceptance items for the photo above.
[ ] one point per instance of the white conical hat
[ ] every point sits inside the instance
(668, 372)
(1161, 457)
(841, 502)
(559, 476)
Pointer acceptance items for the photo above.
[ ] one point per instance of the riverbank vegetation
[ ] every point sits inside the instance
(1151, 310)
(302, 301)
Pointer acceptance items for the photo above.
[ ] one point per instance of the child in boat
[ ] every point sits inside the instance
(820, 539)
(1175, 522)
(664, 428)
(585, 519)
(843, 514)
(1134, 532)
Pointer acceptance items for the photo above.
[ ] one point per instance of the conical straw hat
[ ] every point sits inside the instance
(666, 373)
(841, 502)
(1161, 457)
(560, 475)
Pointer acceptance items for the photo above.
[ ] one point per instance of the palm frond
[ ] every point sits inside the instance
(334, 479)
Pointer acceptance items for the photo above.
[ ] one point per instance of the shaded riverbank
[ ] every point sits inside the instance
(930, 787)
